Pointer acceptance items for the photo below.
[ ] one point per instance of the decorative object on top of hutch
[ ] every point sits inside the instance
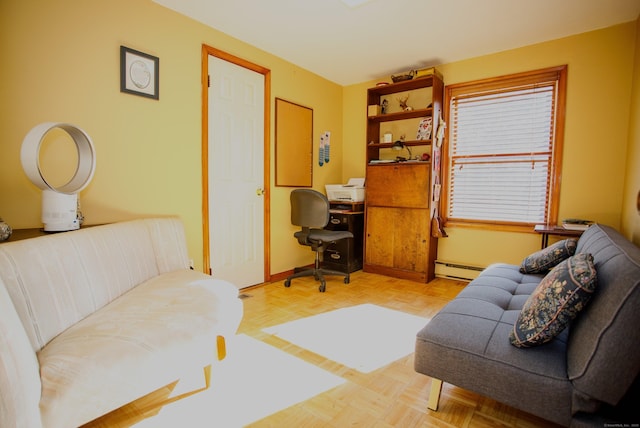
(399, 201)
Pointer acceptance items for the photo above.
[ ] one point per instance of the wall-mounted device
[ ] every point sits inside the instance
(59, 204)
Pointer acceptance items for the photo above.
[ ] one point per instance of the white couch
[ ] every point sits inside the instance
(93, 319)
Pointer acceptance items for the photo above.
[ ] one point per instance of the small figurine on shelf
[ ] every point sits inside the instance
(403, 104)
(384, 106)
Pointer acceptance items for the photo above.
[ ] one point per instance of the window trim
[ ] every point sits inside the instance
(559, 74)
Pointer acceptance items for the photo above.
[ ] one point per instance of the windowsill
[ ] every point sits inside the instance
(496, 227)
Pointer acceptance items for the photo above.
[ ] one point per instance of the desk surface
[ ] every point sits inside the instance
(551, 229)
(336, 211)
(346, 207)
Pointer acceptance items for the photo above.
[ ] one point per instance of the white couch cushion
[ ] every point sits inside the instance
(19, 376)
(57, 280)
(169, 243)
(147, 338)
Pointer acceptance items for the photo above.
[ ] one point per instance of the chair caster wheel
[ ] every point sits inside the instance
(346, 279)
(287, 283)
(322, 287)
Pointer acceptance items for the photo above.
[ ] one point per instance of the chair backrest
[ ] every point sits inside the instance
(309, 208)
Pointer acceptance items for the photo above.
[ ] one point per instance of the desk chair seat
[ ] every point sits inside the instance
(310, 211)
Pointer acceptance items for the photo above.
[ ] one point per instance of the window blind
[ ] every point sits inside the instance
(501, 152)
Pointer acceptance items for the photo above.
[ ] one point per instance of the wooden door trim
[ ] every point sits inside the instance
(206, 52)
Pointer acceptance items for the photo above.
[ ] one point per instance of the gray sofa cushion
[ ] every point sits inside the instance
(602, 356)
(472, 334)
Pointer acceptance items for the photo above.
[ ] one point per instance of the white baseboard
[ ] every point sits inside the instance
(460, 271)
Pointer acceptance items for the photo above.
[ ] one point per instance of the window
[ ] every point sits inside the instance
(504, 149)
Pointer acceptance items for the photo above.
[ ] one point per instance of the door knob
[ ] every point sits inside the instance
(259, 191)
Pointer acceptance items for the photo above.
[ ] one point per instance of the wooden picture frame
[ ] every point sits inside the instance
(139, 73)
(294, 144)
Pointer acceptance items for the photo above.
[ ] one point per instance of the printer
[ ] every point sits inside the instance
(353, 191)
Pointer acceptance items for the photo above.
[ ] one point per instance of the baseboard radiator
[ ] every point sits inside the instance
(457, 271)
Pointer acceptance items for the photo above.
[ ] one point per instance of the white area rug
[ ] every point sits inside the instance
(363, 337)
(253, 381)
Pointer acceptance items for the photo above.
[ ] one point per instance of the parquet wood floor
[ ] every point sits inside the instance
(393, 396)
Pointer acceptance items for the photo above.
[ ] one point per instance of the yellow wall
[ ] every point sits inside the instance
(600, 67)
(61, 63)
(630, 214)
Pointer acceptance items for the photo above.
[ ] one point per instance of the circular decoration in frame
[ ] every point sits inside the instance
(139, 73)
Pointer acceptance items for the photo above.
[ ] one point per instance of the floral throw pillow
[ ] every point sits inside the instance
(557, 300)
(543, 260)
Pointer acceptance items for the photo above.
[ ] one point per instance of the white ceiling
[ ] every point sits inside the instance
(350, 45)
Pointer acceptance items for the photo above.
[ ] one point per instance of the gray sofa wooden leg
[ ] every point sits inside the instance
(434, 396)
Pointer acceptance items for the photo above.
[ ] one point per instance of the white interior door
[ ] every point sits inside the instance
(236, 173)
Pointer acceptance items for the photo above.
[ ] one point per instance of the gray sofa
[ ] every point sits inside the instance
(586, 376)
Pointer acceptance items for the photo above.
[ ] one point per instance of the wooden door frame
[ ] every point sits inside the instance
(211, 51)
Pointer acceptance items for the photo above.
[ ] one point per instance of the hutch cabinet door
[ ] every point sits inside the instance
(399, 185)
(398, 241)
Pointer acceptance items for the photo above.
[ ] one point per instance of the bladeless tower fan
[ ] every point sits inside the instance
(59, 204)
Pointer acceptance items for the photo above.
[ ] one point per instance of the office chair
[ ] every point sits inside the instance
(310, 210)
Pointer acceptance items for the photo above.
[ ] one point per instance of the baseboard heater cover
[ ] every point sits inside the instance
(459, 271)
